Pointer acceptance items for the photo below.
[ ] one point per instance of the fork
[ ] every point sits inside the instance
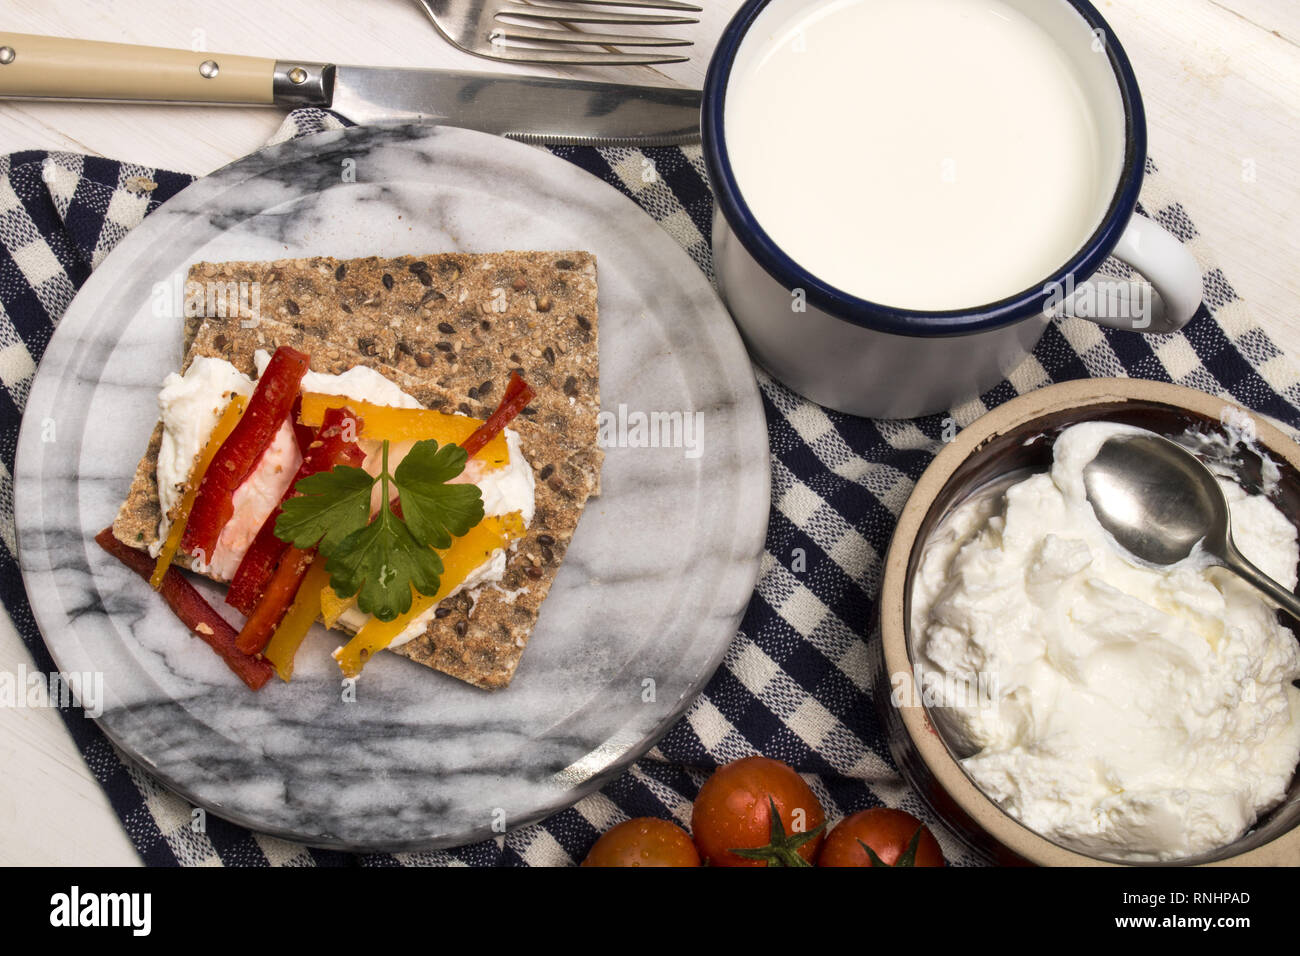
(480, 27)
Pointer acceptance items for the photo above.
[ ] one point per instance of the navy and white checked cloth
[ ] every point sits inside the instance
(796, 681)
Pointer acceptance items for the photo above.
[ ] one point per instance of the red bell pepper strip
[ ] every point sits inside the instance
(280, 592)
(195, 613)
(518, 394)
(303, 433)
(332, 444)
(271, 403)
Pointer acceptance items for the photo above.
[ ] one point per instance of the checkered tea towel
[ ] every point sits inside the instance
(795, 683)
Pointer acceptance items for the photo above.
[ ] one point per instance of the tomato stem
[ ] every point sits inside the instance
(906, 858)
(781, 850)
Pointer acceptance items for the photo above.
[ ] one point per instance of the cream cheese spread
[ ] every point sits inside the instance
(190, 406)
(1137, 713)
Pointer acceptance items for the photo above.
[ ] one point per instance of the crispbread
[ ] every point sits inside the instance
(448, 329)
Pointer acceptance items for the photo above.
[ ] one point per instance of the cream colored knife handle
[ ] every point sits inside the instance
(59, 68)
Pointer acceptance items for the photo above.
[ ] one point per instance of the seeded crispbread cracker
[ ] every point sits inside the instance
(458, 320)
(448, 329)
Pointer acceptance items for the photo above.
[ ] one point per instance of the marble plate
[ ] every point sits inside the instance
(650, 593)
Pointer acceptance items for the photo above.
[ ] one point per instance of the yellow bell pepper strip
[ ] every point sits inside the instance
(465, 554)
(298, 620)
(225, 425)
(386, 423)
(332, 606)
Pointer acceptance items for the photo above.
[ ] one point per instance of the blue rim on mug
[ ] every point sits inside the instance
(912, 322)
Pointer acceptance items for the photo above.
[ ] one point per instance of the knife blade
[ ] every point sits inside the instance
(531, 108)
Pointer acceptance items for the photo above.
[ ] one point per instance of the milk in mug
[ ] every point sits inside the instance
(920, 154)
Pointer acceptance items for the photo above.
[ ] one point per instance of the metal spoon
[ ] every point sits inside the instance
(1158, 502)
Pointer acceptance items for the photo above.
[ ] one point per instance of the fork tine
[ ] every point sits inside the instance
(577, 57)
(511, 32)
(655, 4)
(575, 14)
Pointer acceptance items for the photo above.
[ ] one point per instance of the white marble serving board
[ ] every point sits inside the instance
(651, 590)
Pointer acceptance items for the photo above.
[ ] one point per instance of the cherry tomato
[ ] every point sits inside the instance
(734, 812)
(888, 832)
(644, 841)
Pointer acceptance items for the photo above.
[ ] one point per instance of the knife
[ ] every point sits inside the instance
(530, 108)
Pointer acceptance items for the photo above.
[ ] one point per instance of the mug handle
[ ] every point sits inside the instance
(1170, 269)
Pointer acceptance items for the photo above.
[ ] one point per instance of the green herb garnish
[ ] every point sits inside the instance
(330, 505)
(380, 560)
(435, 510)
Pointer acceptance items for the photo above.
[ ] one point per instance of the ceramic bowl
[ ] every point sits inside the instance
(1016, 438)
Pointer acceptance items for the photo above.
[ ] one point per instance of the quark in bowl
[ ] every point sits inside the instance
(1122, 727)
(1128, 711)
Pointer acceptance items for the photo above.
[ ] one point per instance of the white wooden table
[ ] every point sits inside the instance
(1221, 81)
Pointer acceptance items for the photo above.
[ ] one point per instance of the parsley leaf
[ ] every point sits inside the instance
(380, 563)
(381, 560)
(330, 506)
(433, 509)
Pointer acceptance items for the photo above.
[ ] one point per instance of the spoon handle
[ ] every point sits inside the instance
(1235, 562)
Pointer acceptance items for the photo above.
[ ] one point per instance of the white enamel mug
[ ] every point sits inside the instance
(869, 359)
